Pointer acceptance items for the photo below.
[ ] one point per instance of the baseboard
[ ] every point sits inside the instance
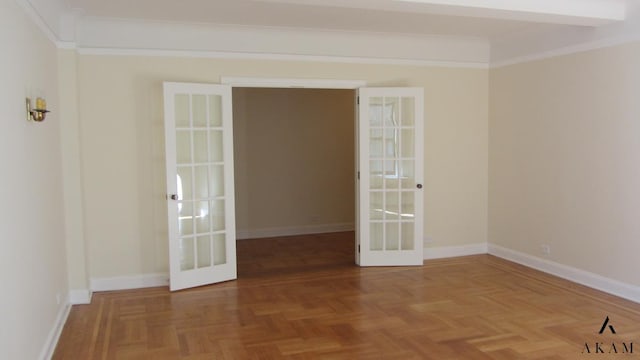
(80, 296)
(443, 252)
(598, 282)
(54, 334)
(129, 282)
(293, 230)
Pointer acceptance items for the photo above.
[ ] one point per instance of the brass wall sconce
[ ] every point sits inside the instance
(39, 112)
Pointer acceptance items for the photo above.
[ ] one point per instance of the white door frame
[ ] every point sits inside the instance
(255, 82)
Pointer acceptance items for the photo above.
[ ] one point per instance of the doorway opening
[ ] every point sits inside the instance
(295, 174)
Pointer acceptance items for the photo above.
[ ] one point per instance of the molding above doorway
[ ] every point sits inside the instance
(258, 82)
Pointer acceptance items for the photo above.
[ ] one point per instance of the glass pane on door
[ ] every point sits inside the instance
(200, 153)
(392, 144)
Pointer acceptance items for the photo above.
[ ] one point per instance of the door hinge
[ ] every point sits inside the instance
(358, 248)
(358, 100)
(358, 175)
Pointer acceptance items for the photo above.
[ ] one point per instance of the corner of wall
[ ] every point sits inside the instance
(51, 342)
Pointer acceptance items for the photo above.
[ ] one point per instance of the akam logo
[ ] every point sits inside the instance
(608, 347)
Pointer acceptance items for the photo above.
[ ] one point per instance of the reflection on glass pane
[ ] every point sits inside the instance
(407, 209)
(216, 185)
(391, 111)
(406, 139)
(391, 182)
(375, 205)
(185, 217)
(376, 237)
(200, 150)
(376, 181)
(375, 111)
(219, 249)
(217, 215)
(183, 147)
(390, 167)
(392, 206)
(391, 143)
(184, 183)
(408, 238)
(202, 217)
(376, 144)
(182, 110)
(392, 235)
(406, 174)
(199, 110)
(215, 110)
(202, 180)
(216, 146)
(375, 172)
(408, 111)
(204, 251)
(186, 254)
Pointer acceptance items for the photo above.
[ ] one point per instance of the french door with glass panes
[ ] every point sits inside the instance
(390, 165)
(200, 194)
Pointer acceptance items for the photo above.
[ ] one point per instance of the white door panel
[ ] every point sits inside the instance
(199, 158)
(390, 162)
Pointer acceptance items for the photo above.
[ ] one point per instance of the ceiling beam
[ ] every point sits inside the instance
(567, 12)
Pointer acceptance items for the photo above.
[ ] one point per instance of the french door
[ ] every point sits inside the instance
(200, 192)
(390, 164)
(200, 184)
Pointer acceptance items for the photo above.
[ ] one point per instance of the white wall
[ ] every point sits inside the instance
(32, 260)
(72, 175)
(564, 160)
(123, 148)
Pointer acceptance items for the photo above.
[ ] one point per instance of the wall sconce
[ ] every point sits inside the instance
(39, 112)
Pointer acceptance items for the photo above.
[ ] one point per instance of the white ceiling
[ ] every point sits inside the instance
(486, 19)
(468, 33)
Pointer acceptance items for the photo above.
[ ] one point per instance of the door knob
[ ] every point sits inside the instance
(419, 186)
(174, 197)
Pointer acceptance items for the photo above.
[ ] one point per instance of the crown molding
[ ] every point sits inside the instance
(566, 51)
(38, 19)
(533, 46)
(274, 57)
(280, 43)
(66, 45)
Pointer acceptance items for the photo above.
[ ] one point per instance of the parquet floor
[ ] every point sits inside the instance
(302, 298)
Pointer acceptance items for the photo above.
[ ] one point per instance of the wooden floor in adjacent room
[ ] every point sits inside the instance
(303, 298)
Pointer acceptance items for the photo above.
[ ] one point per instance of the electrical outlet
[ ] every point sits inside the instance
(428, 240)
(546, 249)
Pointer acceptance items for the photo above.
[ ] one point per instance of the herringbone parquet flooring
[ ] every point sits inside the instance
(302, 298)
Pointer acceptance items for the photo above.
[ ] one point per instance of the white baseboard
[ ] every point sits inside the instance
(442, 252)
(614, 287)
(80, 296)
(293, 230)
(129, 282)
(54, 334)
